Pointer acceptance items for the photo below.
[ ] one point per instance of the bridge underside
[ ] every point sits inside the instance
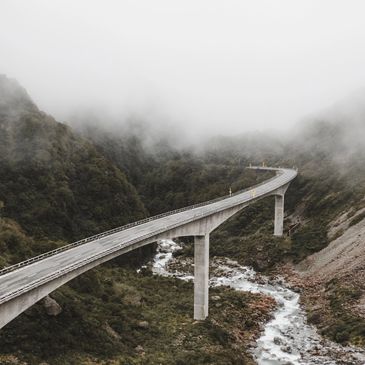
(200, 229)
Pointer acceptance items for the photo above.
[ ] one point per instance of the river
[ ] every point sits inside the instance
(287, 339)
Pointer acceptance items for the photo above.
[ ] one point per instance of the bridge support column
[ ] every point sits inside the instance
(201, 276)
(279, 215)
(279, 210)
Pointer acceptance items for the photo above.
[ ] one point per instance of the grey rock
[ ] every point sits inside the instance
(278, 341)
(139, 349)
(143, 324)
(286, 349)
(51, 306)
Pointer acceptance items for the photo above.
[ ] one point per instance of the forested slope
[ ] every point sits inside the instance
(52, 182)
(57, 185)
(330, 188)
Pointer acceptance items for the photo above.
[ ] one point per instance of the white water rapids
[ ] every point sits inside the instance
(287, 339)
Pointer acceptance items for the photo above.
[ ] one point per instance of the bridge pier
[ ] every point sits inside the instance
(201, 276)
(279, 210)
(25, 284)
(279, 215)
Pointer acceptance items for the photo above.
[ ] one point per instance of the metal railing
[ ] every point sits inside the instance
(127, 226)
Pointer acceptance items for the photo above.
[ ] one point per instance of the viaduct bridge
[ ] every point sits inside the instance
(25, 283)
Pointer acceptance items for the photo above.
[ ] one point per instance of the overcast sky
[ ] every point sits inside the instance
(223, 66)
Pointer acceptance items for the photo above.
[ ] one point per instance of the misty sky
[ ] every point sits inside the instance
(222, 66)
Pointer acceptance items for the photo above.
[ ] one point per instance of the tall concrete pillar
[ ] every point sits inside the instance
(279, 215)
(201, 276)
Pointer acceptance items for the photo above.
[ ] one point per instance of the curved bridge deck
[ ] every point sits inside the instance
(37, 278)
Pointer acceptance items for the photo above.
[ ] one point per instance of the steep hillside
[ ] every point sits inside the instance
(331, 154)
(334, 290)
(331, 184)
(167, 177)
(56, 186)
(52, 182)
(345, 252)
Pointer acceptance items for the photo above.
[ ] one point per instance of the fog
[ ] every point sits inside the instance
(205, 67)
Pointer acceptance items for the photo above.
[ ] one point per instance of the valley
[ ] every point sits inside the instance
(60, 183)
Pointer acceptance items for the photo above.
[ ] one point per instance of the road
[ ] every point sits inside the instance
(23, 279)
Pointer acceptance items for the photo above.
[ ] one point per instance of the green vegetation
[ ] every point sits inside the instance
(167, 179)
(113, 313)
(311, 238)
(357, 219)
(56, 187)
(344, 326)
(16, 246)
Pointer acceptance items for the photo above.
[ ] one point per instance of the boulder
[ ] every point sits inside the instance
(51, 306)
(139, 349)
(143, 324)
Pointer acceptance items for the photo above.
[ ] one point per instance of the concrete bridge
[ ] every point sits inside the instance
(27, 282)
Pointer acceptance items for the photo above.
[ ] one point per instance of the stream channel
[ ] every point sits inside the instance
(287, 339)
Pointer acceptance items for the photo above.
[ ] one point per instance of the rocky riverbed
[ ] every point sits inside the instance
(287, 339)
